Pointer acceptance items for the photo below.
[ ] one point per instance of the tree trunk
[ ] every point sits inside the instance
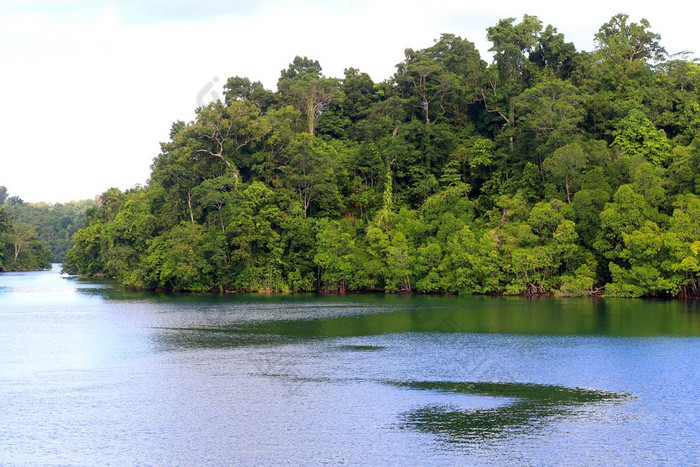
(311, 116)
(20, 239)
(189, 205)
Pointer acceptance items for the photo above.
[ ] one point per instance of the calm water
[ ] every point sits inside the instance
(91, 374)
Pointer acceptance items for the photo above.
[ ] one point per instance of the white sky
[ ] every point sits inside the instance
(88, 89)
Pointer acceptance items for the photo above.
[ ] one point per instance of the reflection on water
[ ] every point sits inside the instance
(94, 374)
(311, 318)
(532, 405)
(361, 348)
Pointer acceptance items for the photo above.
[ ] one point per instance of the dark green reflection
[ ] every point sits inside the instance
(244, 320)
(534, 405)
(193, 338)
(361, 348)
(547, 316)
(248, 325)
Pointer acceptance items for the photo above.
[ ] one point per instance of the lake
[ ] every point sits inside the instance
(92, 374)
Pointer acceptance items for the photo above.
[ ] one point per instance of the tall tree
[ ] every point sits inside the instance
(443, 79)
(510, 74)
(240, 89)
(637, 135)
(566, 164)
(304, 86)
(553, 54)
(625, 50)
(309, 167)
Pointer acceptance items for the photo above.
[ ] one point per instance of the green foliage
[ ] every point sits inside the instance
(636, 134)
(335, 255)
(33, 235)
(471, 263)
(566, 164)
(578, 284)
(303, 86)
(174, 260)
(548, 171)
(625, 52)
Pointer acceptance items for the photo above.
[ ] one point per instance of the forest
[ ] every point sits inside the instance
(547, 171)
(34, 235)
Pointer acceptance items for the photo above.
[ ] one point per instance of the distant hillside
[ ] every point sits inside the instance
(33, 235)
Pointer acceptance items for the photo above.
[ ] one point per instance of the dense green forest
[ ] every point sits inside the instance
(549, 170)
(33, 235)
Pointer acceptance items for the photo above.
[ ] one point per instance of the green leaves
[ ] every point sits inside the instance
(566, 164)
(624, 53)
(335, 249)
(552, 111)
(452, 176)
(636, 134)
(303, 86)
(441, 80)
(174, 260)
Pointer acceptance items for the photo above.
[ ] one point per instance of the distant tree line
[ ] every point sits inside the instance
(33, 235)
(549, 170)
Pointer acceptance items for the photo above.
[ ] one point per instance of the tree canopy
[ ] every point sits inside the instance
(33, 235)
(548, 170)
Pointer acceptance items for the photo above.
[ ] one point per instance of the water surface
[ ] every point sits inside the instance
(91, 374)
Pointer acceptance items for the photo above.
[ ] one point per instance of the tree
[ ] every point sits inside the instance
(254, 243)
(419, 72)
(238, 89)
(442, 79)
(22, 237)
(684, 169)
(673, 100)
(636, 134)
(335, 254)
(5, 225)
(645, 251)
(510, 43)
(126, 239)
(222, 131)
(553, 54)
(628, 212)
(552, 112)
(310, 170)
(647, 181)
(217, 194)
(86, 256)
(360, 94)
(303, 85)
(510, 73)
(586, 206)
(547, 171)
(624, 51)
(470, 264)
(683, 241)
(566, 164)
(174, 260)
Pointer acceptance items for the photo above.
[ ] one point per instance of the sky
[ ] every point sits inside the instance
(89, 89)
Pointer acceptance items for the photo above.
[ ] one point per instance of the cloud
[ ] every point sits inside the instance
(137, 11)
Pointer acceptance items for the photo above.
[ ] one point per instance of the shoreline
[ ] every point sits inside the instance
(594, 294)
